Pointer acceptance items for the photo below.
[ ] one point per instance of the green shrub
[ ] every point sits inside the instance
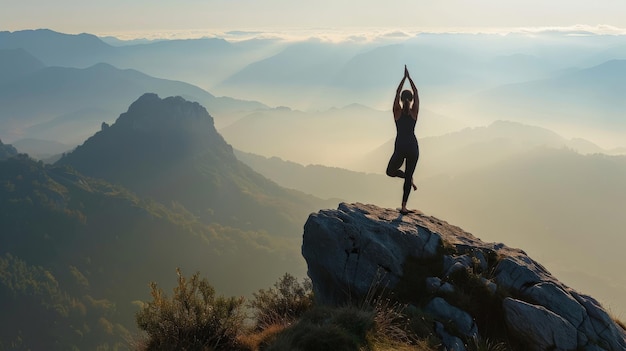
(326, 328)
(283, 303)
(193, 319)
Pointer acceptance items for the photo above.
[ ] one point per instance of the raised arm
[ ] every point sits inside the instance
(397, 109)
(415, 108)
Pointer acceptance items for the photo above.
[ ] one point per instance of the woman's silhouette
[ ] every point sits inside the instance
(406, 148)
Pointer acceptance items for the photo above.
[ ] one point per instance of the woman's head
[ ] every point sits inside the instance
(406, 97)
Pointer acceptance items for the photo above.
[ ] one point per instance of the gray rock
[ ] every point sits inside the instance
(544, 329)
(444, 312)
(607, 333)
(450, 342)
(517, 271)
(436, 285)
(357, 248)
(553, 297)
(458, 263)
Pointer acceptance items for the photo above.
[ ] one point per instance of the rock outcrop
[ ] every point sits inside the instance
(469, 287)
(6, 151)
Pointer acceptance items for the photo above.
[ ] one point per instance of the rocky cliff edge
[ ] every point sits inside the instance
(469, 287)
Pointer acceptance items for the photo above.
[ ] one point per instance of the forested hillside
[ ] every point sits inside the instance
(79, 252)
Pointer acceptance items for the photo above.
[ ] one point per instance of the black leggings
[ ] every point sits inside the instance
(410, 153)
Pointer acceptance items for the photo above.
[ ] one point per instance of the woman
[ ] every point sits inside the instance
(406, 148)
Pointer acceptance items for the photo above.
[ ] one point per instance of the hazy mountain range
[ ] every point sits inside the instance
(570, 84)
(583, 102)
(517, 137)
(476, 147)
(46, 102)
(196, 61)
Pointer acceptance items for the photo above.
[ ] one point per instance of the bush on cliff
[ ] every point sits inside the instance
(194, 318)
(282, 304)
(283, 318)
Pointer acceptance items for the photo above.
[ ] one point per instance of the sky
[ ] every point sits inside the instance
(140, 18)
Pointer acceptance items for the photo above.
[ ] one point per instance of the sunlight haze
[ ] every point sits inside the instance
(202, 134)
(165, 17)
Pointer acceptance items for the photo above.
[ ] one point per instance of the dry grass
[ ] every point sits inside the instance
(422, 345)
(257, 341)
(396, 327)
(350, 328)
(285, 320)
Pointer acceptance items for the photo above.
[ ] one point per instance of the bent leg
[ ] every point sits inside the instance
(393, 168)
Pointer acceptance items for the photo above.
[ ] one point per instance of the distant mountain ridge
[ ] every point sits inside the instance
(456, 74)
(15, 63)
(476, 147)
(34, 147)
(334, 137)
(590, 99)
(57, 49)
(197, 61)
(38, 100)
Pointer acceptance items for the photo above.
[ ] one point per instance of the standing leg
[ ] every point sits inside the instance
(411, 163)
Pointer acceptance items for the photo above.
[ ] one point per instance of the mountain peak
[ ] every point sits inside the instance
(472, 289)
(169, 150)
(151, 113)
(151, 135)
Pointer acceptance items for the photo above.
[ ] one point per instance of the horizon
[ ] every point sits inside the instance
(337, 34)
(163, 19)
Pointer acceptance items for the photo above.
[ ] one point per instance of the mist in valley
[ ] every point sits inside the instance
(521, 135)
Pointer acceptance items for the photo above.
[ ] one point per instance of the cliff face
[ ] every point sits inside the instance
(471, 288)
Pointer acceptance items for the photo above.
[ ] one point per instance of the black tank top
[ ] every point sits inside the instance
(405, 128)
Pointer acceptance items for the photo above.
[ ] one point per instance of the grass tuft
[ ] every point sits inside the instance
(261, 340)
